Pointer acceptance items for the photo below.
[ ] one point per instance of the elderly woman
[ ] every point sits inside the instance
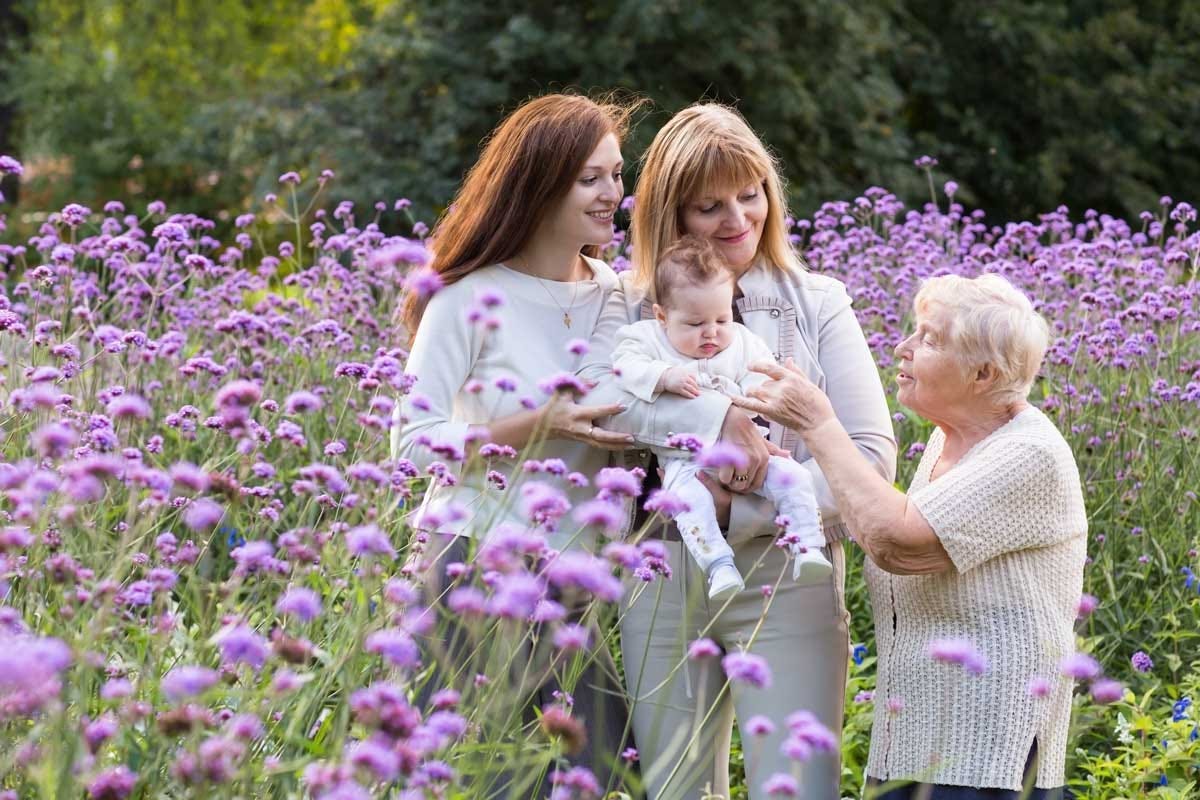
(975, 574)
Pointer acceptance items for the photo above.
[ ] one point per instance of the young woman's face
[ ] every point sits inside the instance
(586, 214)
(731, 219)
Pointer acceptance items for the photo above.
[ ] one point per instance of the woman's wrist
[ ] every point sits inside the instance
(820, 437)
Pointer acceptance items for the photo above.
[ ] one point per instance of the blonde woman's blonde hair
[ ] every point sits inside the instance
(991, 324)
(705, 147)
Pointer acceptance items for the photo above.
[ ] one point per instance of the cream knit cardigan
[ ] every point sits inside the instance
(1011, 516)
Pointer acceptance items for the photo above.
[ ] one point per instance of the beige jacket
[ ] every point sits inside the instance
(805, 317)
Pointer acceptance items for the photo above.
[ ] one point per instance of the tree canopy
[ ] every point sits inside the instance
(1026, 105)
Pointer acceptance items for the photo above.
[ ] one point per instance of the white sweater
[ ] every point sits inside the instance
(457, 365)
(643, 353)
(1010, 514)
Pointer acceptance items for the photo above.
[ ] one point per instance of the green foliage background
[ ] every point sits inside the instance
(1091, 103)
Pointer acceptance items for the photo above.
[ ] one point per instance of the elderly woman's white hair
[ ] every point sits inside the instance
(992, 323)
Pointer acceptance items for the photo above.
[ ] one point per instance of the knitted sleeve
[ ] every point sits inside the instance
(1007, 496)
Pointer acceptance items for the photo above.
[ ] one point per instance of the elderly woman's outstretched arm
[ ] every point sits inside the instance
(881, 519)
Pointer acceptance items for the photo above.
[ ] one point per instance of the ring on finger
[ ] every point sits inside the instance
(741, 478)
(591, 430)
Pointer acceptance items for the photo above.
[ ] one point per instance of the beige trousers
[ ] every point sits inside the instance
(683, 712)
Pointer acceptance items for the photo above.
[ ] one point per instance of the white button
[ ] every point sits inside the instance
(775, 312)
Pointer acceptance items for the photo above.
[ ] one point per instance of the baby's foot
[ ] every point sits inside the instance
(810, 565)
(724, 582)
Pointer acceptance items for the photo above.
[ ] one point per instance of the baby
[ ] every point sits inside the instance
(693, 345)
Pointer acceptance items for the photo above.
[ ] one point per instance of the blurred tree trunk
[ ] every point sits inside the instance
(14, 36)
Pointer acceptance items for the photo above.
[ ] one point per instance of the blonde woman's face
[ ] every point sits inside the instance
(732, 219)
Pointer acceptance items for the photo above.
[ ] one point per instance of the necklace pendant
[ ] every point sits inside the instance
(566, 319)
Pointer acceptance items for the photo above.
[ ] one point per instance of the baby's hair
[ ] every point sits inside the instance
(690, 261)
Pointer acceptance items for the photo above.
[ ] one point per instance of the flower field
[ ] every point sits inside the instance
(208, 583)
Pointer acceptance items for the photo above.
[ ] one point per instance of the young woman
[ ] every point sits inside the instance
(707, 174)
(515, 256)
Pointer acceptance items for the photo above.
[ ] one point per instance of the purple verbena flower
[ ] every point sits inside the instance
(202, 514)
(747, 668)
(703, 648)
(113, 784)
(300, 602)
(395, 645)
(759, 725)
(302, 403)
(1106, 690)
(240, 644)
(781, 784)
(723, 454)
(614, 482)
(583, 571)
(128, 406)
(600, 514)
(571, 637)
(189, 476)
(666, 503)
(187, 681)
(1079, 666)
(369, 540)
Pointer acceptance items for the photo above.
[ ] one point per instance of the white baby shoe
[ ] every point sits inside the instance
(809, 565)
(724, 582)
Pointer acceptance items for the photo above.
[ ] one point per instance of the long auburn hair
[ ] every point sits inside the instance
(528, 164)
(705, 146)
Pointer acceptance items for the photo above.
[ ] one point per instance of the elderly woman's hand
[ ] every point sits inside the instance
(789, 398)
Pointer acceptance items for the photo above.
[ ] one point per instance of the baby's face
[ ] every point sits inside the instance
(698, 320)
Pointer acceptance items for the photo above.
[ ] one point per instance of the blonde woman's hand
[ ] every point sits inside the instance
(789, 398)
(739, 430)
(563, 418)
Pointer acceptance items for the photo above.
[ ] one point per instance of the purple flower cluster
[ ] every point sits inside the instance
(30, 672)
(752, 670)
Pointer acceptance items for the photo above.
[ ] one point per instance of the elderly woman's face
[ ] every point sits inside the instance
(931, 377)
(732, 219)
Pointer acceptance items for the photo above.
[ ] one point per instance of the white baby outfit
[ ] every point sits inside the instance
(641, 356)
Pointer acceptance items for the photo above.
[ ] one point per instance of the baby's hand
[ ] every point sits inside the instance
(680, 381)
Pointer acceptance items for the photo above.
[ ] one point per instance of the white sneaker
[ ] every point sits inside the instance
(724, 582)
(810, 567)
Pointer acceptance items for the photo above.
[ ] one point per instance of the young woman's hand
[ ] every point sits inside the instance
(563, 418)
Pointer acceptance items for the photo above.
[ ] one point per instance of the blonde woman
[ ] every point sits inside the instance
(707, 174)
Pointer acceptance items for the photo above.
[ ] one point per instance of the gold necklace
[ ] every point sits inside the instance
(566, 312)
